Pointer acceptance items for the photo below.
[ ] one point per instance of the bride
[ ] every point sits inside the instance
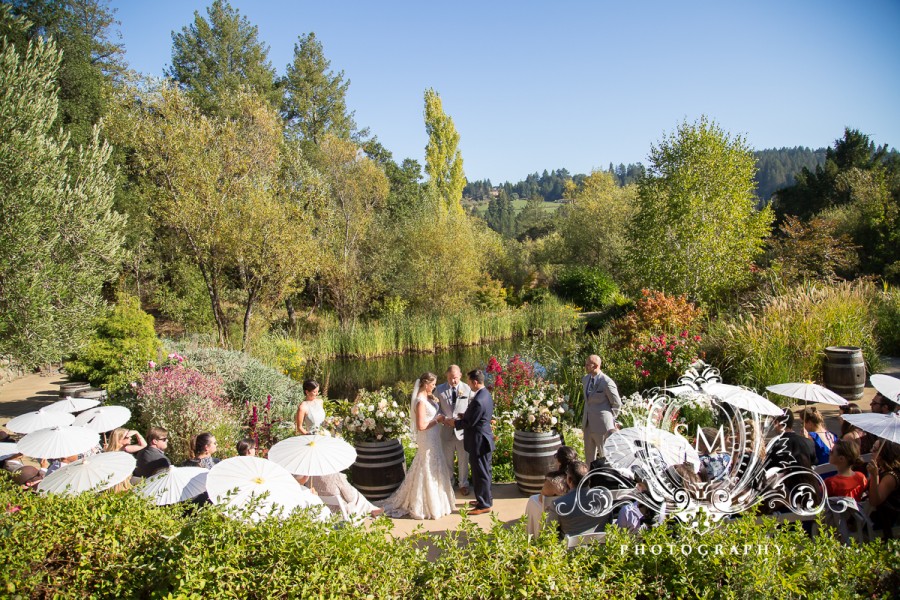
(426, 492)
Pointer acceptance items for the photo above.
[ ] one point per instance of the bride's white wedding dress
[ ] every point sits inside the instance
(426, 492)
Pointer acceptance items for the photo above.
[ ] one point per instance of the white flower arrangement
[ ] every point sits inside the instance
(538, 408)
(374, 417)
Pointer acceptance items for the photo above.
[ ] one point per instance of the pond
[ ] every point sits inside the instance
(345, 376)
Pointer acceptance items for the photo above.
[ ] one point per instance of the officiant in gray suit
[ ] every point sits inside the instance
(454, 399)
(601, 407)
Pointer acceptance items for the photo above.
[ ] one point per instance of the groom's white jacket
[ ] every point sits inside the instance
(444, 396)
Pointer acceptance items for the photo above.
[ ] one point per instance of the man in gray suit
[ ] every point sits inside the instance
(454, 399)
(601, 407)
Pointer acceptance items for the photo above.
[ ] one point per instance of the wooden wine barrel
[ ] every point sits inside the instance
(533, 458)
(92, 393)
(845, 371)
(379, 469)
(69, 389)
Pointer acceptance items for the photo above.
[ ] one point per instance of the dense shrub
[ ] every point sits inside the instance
(655, 313)
(246, 379)
(784, 337)
(589, 288)
(123, 342)
(887, 317)
(118, 546)
(185, 402)
(281, 352)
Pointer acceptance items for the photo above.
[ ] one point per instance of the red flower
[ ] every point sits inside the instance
(684, 333)
(13, 508)
(645, 373)
(638, 363)
(668, 360)
(697, 338)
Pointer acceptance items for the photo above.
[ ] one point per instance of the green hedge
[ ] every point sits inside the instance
(118, 546)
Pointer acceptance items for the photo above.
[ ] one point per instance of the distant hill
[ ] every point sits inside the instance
(777, 167)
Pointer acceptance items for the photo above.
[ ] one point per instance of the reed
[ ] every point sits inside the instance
(784, 337)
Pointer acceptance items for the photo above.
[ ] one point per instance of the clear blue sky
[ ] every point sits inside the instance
(577, 85)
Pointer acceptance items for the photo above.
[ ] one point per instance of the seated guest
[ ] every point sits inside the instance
(814, 424)
(10, 462)
(714, 461)
(884, 487)
(120, 440)
(58, 463)
(847, 482)
(539, 504)
(636, 515)
(358, 507)
(28, 477)
(884, 405)
(569, 509)
(152, 459)
(851, 433)
(203, 446)
(791, 448)
(246, 447)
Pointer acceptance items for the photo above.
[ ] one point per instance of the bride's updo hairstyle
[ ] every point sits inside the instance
(426, 377)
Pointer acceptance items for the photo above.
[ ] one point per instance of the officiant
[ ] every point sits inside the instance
(453, 396)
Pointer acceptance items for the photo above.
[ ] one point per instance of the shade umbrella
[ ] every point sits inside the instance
(72, 405)
(8, 449)
(40, 419)
(238, 481)
(103, 418)
(887, 386)
(886, 427)
(808, 392)
(743, 399)
(622, 446)
(175, 484)
(99, 472)
(313, 454)
(58, 442)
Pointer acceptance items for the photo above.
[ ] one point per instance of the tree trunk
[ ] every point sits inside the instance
(251, 298)
(292, 313)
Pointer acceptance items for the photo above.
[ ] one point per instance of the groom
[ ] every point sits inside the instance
(478, 438)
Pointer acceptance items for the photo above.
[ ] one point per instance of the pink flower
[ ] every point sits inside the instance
(13, 508)
(645, 373)
(151, 364)
(638, 363)
(668, 360)
(684, 333)
(697, 338)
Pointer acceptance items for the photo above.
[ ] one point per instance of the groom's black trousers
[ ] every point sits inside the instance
(481, 479)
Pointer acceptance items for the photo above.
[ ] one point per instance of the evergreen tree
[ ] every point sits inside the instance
(213, 59)
(315, 98)
(90, 59)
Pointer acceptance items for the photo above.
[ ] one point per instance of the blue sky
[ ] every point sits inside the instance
(577, 85)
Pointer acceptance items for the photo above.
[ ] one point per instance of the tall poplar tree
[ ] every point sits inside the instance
(213, 59)
(443, 160)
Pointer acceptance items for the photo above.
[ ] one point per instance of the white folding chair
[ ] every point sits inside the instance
(598, 537)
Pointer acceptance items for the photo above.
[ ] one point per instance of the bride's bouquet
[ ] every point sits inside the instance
(538, 408)
(374, 417)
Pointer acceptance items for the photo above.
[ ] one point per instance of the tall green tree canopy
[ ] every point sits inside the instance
(443, 160)
(91, 59)
(213, 58)
(315, 101)
(60, 239)
(697, 230)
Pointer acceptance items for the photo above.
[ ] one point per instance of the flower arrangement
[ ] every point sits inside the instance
(538, 408)
(373, 417)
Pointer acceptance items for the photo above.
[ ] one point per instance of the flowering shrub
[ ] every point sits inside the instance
(185, 402)
(655, 313)
(538, 408)
(666, 355)
(375, 416)
(267, 424)
(506, 381)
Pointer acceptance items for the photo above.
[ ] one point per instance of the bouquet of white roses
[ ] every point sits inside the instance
(538, 408)
(375, 416)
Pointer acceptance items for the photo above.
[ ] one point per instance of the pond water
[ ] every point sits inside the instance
(346, 376)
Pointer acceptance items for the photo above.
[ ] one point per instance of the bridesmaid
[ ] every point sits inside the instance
(311, 412)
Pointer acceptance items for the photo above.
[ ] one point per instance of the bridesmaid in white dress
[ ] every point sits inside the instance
(426, 493)
(311, 412)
